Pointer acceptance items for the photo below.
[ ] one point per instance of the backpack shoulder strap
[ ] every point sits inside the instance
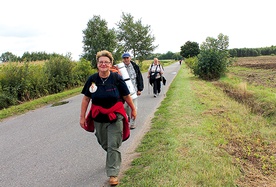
(116, 78)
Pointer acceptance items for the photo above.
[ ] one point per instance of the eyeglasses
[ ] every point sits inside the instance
(125, 57)
(104, 62)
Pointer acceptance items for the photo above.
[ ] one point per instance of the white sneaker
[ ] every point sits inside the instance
(154, 95)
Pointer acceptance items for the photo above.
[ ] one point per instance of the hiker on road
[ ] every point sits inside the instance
(107, 91)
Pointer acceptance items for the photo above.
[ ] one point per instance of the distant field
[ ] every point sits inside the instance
(261, 72)
(261, 62)
(18, 63)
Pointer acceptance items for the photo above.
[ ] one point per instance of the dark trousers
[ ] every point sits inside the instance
(157, 86)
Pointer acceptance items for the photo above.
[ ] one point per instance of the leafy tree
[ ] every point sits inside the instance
(97, 37)
(177, 56)
(168, 55)
(135, 37)
(189, 49)
(213, 58)
(8, 57)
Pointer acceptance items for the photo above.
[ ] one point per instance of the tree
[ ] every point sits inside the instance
(213, 58)
(134, 37)
(97, 37)
(168, 55)
(8, 57)
(189, 49)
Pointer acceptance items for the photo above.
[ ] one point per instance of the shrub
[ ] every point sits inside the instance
(211, 64)
(213, 58)
(59, 74)
(81, 71)
(20, 82)
(6, 100)
(191, 63)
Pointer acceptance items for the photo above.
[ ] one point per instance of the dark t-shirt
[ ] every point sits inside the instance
(109, 91)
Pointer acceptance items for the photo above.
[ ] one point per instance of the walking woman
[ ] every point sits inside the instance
(107, 91)
(155, 72)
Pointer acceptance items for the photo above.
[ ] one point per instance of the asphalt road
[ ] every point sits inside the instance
(47, 146)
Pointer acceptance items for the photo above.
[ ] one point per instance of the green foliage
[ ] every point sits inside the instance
(189, 49)
(8, 57)
(191, 63)
(135, 37)
(97, 37)
(59, 74)
(248, 52)
(82, 70)
(210, 66)
(28, 57)
(20, 82)
(213, 58)
(6, 100)
(168, 55)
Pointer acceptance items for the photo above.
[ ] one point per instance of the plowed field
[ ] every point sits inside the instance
(262, 70)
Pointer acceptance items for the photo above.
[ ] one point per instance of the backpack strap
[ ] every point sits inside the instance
(115, 77)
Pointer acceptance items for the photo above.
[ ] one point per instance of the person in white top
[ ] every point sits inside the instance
(137, 80)
(155, 72)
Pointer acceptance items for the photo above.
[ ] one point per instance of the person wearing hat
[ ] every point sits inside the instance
(137, 81)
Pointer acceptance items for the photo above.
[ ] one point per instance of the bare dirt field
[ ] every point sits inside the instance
(262, 70)
(261, 62)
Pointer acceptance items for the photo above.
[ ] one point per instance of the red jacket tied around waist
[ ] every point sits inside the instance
(111, 112)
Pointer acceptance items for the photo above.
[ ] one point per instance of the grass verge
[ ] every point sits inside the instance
(201, 137)
(31, 105)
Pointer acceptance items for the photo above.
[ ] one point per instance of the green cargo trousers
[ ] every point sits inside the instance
(109, 136)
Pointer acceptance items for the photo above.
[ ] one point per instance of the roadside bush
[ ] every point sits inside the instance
(20, 82)
(81, 71)
(37, 82)
(6, 100)
(11, 81)
(59, 74)
(213, 58)
(211, 65)
(191, 63)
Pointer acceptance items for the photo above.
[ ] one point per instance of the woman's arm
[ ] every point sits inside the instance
(129, 101)
(84, 105)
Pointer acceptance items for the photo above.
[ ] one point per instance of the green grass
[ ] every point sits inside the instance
(257, 91)
(31, 105)
(179, 149)
(201, 137)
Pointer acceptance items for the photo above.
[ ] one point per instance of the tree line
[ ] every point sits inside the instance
(251, 52)
(28, 56)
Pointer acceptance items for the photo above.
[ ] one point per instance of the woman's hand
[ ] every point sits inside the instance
(129, 101)
(82, 122)
(133, 114)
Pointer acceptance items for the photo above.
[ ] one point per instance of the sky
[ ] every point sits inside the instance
(56, 26)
